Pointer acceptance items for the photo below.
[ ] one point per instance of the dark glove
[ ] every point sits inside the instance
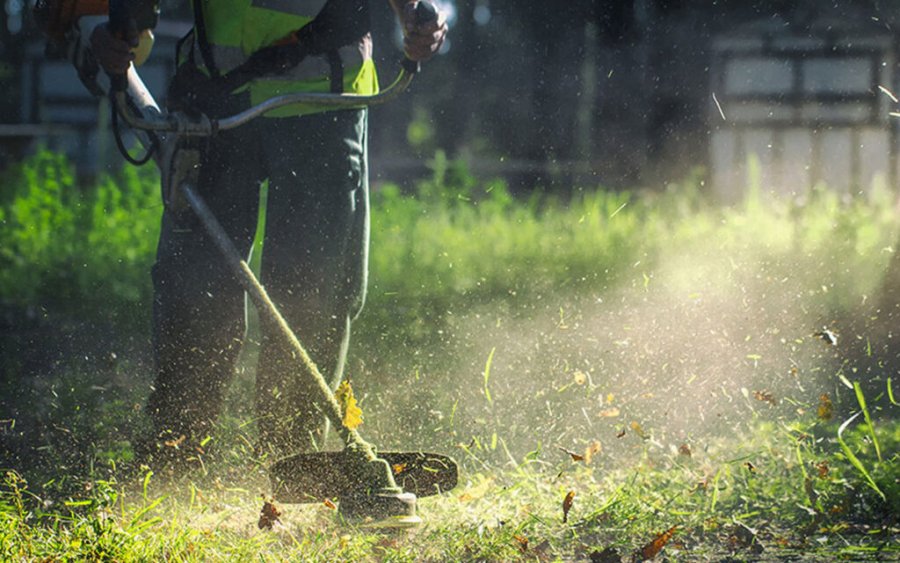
(112, 53)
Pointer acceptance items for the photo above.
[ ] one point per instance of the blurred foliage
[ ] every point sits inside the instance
(78, 250)
(86, 251)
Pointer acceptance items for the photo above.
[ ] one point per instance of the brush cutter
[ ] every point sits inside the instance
(380, 489)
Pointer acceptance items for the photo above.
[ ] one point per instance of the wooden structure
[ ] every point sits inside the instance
(795, 106)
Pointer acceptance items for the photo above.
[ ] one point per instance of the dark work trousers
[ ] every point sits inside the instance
(314, 266)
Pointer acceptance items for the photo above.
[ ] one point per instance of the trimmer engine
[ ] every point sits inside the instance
(57, 17)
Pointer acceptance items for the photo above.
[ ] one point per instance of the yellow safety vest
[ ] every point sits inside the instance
(235, 29)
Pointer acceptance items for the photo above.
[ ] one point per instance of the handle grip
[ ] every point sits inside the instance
(120, 23)
(425, 13)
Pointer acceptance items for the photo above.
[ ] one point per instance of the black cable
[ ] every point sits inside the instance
(117, 134)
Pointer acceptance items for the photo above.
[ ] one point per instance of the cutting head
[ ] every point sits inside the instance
(312, 477)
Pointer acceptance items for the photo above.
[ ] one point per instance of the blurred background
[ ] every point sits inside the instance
(620, 94)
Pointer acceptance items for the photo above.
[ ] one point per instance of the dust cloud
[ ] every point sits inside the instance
(694, 348)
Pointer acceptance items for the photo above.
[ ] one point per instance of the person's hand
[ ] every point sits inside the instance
(421, 41)
(114, 54)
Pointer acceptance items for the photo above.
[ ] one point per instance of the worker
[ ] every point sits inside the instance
(316, 223)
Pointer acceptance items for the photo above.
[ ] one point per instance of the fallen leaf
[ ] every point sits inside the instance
(826, 407)
(609, 413)
(269, 515)
(352, 412)
(567, 505)
(684, 450)
(653, 548)
(575, 457)
(522, 541)
(766, 397)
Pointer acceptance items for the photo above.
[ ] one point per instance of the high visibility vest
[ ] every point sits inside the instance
(235, 29)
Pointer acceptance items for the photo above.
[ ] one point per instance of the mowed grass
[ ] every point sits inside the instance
(463, 277)
(776, 492)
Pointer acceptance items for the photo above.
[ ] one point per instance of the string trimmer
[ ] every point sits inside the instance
(379, 487)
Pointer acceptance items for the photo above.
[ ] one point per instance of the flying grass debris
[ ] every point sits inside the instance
(567, 505)
(719, 107)
(269, 515)
(653, 548)
(827, 336)
(766, 397)
(889, 94)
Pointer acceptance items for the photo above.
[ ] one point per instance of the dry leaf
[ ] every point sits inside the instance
(653, 548)
(826, 407)
(176, 443)
(765, 396)
(269, 515)
(575, 457)
(567, 505)
(522, 541)
(352, 413)
(609, 413)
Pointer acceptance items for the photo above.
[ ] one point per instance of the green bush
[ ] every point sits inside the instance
(451, 241)
(77, 250)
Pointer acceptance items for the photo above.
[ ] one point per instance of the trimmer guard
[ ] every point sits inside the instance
(313, 477)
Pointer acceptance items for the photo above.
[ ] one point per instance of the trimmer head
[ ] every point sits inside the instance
(313, 477)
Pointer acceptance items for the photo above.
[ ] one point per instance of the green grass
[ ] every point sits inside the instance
(779, 493)
(502, 331)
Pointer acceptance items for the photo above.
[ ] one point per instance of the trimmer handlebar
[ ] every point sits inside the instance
(204, 126)
(128, 86)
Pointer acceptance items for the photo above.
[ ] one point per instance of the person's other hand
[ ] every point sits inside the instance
(114, 54)
(421, 41)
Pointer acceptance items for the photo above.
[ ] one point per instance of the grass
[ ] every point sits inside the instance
(681, 343)
(780, 493)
